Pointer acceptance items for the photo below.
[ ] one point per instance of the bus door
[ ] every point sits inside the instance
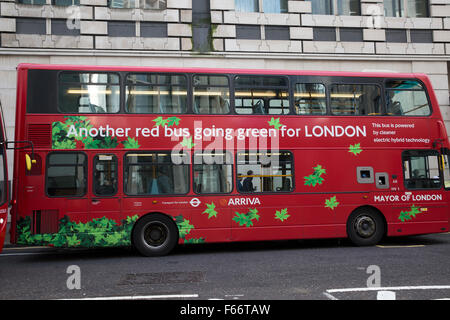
(104, 200)
(446, 171)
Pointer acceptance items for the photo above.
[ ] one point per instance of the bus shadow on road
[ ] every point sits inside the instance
(48, 254)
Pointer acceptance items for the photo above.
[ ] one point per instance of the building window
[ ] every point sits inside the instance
(121, 29)
(275, 6)
(322, 6)
(30, 26)
(396, 35)
(246, 5)
(66, 3)
(153, 29)
(277, 33)
(324, 34)
(142, 4)
(155, 173)
(421, 36)
(406, 8)
(66, 174)
(351, 34)
(38, 2)
(349, 7)
(265, 171)
(393, 8)
(417, 8)
(60, 28)
(248, 32)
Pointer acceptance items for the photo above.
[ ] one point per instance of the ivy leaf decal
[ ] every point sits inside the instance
(319, 170)
(331, 203)
(131, 143)
(355, 149)
(187, 143)
(315, 178)
(246, 218)
(275, 123)
(211, 210)
(408, 215)
(173, 121)
(282, 214)
(253, 214)
(159, 122)
(242, 219)
(184, 228)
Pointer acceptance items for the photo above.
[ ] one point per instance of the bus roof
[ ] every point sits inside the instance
(371, 73)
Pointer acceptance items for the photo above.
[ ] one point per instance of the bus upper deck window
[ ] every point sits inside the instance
(85, 92)
(211, 94)
(261, 95)
(356, 99)
(310, 98)
(156, 93)
(406, 98)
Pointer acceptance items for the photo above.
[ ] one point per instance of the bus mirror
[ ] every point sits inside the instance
(29, 162)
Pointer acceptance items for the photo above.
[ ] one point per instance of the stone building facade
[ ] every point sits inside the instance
(346, 35)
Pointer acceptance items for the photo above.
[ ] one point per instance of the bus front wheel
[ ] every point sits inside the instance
(365, 227)
(155, 235)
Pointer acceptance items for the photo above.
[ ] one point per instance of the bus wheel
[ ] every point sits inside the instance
(365, 227)
(155, 235)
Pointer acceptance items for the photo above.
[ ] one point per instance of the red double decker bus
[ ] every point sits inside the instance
(155, 157)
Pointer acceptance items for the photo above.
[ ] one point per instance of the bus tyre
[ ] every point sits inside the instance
(155, 235)
(365, 227)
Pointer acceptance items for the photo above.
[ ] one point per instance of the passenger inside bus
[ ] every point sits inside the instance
(248, 183)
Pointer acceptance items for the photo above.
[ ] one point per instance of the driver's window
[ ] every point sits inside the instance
(421, 169)
(446, 168)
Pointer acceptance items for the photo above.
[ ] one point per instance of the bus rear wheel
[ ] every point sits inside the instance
(155, 235)
(365, 227)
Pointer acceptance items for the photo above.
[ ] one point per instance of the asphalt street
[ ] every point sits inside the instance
(405, 268)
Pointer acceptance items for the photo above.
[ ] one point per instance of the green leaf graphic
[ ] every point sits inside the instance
(159, 122)
(187, 143)
(275, 123)
(131, 143)
(282, 214)
(315, 178)
(331, 203)
(184, 228)
(173, 121)
(355, 149)
(246, 218)
(211, 210)
(408, 215)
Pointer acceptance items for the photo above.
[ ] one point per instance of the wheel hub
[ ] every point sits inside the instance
(365, 226)
(155, 234)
